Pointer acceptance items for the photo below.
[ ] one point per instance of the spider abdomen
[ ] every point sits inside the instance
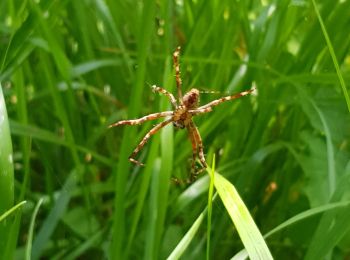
(191, 99)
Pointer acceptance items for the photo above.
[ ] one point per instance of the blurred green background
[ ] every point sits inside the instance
(71, 68)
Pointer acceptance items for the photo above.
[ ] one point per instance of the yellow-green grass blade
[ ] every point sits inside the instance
(12, 210)
(248, 231)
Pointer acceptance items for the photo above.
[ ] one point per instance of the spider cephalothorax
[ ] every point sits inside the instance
(181, 117)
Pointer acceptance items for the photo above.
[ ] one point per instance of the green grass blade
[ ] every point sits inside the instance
(188, 237)
(54, 216)
(89, 243)
(151, 233)
(164, 176)
(296, 219)
(251, 237)
(307, 104)
(144, 43)
(332, 53)
(31, 230)
(6, 175)
(47, 136)
(83, 68)
(210, 205)
(19, 39)
(307, 214)
(61, 60)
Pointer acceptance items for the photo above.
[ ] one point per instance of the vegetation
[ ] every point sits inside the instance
(68, 69)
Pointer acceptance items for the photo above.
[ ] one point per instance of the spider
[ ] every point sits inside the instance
(185, 108)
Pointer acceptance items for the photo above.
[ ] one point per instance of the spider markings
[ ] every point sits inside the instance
(184, 109)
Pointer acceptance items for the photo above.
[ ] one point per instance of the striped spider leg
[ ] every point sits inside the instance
(165, 93)
(207, 108)
(197, 147)
(154, 130)
(176, 56)
(185, 107)
(144, 140)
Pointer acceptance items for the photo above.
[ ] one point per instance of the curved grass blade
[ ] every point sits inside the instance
(31, 229)
(297, 218)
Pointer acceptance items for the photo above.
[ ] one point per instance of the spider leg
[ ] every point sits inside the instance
(198, 140)
(193, 135)
(176, 56)
(193, 164)
(166, 93)
(204, 109)
(194, 151)
(199, 111)
(145, 139)
(142, 119)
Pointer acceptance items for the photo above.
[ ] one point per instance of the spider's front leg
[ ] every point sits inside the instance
(166, 93)
(142, 119)
(145, 139)
(176, 57)
(208, 107)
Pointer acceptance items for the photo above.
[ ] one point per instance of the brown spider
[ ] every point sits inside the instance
(181, 117)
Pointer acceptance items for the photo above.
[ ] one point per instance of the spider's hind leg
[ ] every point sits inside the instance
(197, 147)
(194, 154)
(199, 142)
(196, 172)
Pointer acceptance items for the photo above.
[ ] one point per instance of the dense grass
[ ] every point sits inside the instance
(70, 68)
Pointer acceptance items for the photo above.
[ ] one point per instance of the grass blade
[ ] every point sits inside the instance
(251, 237)
(186, 240)
(334, 58)
(31, 229)
(6, 175)
(298, 218)
(54, 216)
(11, 210)
(210, 204)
